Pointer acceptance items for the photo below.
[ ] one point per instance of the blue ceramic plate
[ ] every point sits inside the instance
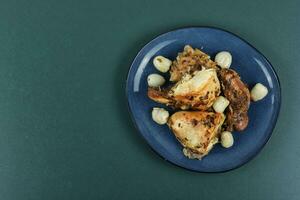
(252, 66)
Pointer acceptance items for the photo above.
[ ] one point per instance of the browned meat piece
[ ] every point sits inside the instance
(188, 61)
(197, 131)
(197, 91)
(160, 96)
(239, 96)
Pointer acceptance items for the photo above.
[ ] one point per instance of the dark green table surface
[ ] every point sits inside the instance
(65, 132)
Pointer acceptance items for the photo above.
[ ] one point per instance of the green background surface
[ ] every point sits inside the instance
(65, 132)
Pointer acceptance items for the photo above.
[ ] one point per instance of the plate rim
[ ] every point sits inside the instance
(237, 36)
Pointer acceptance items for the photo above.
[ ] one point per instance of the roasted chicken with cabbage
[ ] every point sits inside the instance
(206, 89)
(196, 91)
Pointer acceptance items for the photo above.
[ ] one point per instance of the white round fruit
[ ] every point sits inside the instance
(258, 92)
(155, 80)
(226, 139)
(223, 59)
(220, 104)
(162, 64)
(160, 115)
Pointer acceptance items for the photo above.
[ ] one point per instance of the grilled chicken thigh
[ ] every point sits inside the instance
(197, 131)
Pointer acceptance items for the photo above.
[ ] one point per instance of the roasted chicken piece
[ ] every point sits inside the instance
(189, 61)
(197, 91)
(197, 131)
(239, 96)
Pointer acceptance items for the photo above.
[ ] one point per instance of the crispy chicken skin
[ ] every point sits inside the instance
(197, 91)
(160, 96)
(189, 61)
(239, 96)
(197, 131)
